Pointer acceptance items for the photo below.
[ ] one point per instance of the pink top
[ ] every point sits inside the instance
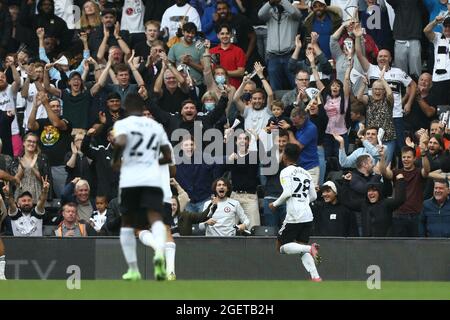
(336, 120)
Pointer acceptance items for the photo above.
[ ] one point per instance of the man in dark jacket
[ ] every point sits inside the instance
(46, 18)
(377, 210)
(331, 217)
(434, 221)
(187, 118)
(107, 179)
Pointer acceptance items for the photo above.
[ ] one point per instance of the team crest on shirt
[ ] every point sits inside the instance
(227, 209)
(129, 11)
(49, 136)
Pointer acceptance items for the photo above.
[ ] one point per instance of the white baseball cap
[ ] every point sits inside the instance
(331, 185)
(321, 1)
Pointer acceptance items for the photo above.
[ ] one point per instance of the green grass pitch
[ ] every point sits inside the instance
(222, 290)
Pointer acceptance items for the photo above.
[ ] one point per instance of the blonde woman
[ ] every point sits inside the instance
(90, 16)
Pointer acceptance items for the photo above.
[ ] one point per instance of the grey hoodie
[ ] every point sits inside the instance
(281, 26)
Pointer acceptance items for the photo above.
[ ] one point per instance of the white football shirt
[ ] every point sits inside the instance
(298, 192)
(140, 159)
(397, 79)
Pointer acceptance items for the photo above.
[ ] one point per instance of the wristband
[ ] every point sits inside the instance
(262, 78)
(119, 38)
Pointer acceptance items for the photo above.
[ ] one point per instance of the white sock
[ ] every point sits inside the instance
(2, 266)
(294, 248)
(310, 266)
(169, 252)
(147, 238)
(128, 243)
(160, 234)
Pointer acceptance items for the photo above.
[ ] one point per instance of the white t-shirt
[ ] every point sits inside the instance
(174, 14)
(438, 41)
(68, 12)
(257, 120)
(228, 213)
(397, 79)
(140, 165)
(298, 192)
(133, 16)
(348, 7)
(41, 112)
(7, 104)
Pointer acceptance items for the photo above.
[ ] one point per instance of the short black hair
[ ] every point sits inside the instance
(134, 103)
(113, 95)
(292, 152)
(189, 27)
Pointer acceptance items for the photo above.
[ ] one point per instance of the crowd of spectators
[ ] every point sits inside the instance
(361, 86)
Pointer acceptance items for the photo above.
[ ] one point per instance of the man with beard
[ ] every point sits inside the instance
(108, 32)
(242, 32)
(435, 157)
(298, 192)
(325, 21)
(223, 212)
(54, 26)
(185, 52)
(177, 15)
(26, 220)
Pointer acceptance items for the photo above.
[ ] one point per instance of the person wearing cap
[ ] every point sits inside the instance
(26, 219)
(101, 155)
(331, 217)
(441, 70)
(106, 119)
(376, 210)
(323, 20)
(282, 20)
(76, 99)
(108, 33)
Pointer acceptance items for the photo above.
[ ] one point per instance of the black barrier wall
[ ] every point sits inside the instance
(240, 258)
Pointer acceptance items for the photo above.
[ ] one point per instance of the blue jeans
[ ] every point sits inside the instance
(331, 146)
(400, 133)
(322, 164)
(273, 219)
(280, 77)
(196, 207)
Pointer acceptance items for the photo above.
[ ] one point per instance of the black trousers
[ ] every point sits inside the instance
(405, 225)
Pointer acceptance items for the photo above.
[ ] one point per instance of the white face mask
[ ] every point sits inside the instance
(220, 79)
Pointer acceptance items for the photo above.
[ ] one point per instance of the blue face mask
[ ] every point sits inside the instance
(246, 96)
(209, 106)
(220, 79)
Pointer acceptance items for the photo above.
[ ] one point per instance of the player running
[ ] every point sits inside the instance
(298, 192)
(138, 144)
